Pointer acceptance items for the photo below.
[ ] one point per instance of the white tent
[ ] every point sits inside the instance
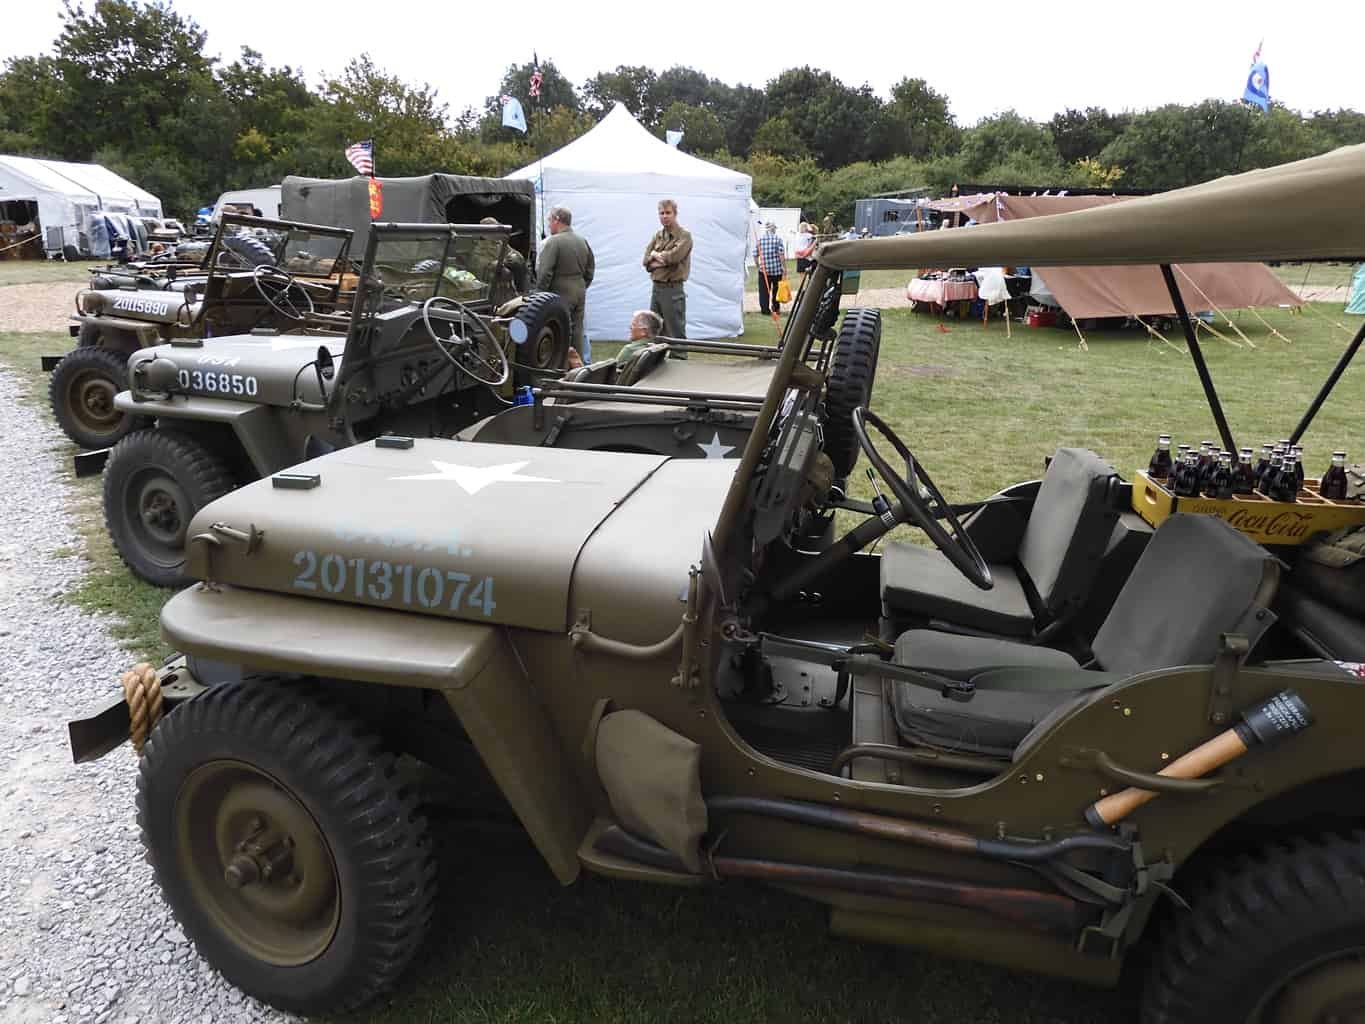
(611, 179)
(787, 219)
(68, 193)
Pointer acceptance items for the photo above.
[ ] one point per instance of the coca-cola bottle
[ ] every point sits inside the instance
(1218, 483)
(1188, 484)
(1179, 466)
(1298, 467)
(1263, 463)
(1266, 484)
(1207, 460)
(1160, 466)
(1286, 486)
(1333, 484)
(1244, 476)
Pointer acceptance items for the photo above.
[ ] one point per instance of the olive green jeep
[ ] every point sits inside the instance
(423, 351)
(1063, 738)
(255, 273)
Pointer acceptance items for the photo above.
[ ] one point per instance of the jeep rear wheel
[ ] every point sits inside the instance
(1275, 939)
(547, 328)
(82, 390)
(285, 845)
(154, 483)
(852, 369)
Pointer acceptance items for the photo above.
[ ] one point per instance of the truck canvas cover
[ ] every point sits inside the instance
(429, 199)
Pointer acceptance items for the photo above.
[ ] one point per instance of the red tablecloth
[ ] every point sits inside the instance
(940, 292)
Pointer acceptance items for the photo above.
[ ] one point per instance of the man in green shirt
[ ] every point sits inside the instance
(668, 258)
(566, 266)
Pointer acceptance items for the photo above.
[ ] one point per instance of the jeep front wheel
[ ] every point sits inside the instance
(82, 390)
(154, 483)
(1278, 938)
(285, 845)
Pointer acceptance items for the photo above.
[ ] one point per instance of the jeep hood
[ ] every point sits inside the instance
(487, 533)
(268, 369)
(149, 306)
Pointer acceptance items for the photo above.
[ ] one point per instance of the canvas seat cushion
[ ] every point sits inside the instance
(921, 581)
(963, 657)
(1006, 707)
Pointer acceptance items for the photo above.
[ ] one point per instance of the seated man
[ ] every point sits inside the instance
(644, 327)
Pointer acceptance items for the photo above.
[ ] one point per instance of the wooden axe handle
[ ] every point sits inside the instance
(1226, 746)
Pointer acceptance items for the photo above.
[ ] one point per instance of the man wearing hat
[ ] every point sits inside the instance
(771, 258)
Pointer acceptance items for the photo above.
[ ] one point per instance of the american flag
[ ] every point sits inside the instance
(536, 79)
(361, 156)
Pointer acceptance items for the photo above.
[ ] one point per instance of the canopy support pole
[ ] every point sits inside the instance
(1197, 354)
(1328, 385)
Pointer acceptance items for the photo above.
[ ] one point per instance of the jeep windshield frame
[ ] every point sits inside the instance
(1301, 212)
(314, 251)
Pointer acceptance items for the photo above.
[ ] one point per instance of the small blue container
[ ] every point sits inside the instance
(524, 396)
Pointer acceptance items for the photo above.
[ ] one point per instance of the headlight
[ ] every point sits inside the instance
(159, 375)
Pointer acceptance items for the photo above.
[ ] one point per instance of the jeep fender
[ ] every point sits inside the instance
(472, 665)
(259, 429)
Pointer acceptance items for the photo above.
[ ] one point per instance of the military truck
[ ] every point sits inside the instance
(254, 273)
(1080, 730)
(423, 351)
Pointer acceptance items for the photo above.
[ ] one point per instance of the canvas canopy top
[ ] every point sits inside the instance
(428, 199)
(1307, 209)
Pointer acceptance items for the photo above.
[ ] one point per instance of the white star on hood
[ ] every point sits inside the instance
(716, 450)
(473, 479)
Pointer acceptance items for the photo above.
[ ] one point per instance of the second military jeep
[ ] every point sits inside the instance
(423, 352)
(255, 273)
(1080, 729)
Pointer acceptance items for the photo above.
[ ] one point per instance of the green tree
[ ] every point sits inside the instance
(1084, 133)
(1008, 138)
(407, 123)
(633, 86)
(777, 137)
(556, 128)
(701, 129)
(834, 121)
(555, 90)
(1339, 127)
(917, 122)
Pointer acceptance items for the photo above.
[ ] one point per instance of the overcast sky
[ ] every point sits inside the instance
(985, 56)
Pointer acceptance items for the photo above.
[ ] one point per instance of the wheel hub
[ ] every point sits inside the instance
(1332, 992)
(93, 400)
(257, 862)
(159, 511)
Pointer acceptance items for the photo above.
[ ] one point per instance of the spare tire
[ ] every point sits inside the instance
(250, 249)
(851, 370)
(546, 317)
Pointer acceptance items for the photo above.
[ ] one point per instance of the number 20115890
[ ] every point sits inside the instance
(400, 582)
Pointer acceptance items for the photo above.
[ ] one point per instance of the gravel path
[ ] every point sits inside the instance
(84, 935)
(38, 307)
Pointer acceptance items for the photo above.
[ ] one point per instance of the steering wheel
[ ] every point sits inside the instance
(465, 354)
(911, 490)
(267, 279)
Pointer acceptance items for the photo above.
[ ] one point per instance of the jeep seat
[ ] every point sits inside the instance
(1070, 524)
(1197, 579)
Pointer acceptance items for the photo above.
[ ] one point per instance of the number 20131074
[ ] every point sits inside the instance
(413, 585)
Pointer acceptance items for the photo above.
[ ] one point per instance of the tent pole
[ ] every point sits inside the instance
(1197, 354)
(1328, 385)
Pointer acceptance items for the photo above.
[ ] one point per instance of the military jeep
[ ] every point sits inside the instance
(255, 273)
(423, 352)
(1059, 738)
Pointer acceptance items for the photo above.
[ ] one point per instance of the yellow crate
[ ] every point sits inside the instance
(1263, 520)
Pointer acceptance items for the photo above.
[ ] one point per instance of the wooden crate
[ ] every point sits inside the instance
(1263, 520)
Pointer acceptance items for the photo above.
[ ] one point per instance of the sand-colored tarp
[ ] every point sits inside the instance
(1125, 291)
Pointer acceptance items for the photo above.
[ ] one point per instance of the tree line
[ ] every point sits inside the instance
(127, 84)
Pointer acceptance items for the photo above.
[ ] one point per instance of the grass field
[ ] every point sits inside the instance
(980, 410)
(45, 271)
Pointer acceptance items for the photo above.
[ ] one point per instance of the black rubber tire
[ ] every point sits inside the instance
(548, 327)
(1255, 923)
(852, 368)
(326, 760)
(151, 464)
(827, 312)
(81, 390)
(250, 249)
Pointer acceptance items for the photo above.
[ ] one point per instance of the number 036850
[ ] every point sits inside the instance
(416, 586)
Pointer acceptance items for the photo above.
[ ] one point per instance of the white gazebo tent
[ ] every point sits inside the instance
(66, 194)
(611, 179)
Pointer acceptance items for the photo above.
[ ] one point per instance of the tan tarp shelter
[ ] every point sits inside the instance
(1125, 291)
(1308, 209)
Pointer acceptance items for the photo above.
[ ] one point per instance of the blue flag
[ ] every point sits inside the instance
(512, 114)
(1257, 91)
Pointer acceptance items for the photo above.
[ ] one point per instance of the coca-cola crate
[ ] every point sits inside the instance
(1263, 520)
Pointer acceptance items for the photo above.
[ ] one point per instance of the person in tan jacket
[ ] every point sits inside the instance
(668, 258)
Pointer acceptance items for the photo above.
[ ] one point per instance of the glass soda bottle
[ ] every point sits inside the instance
(1244, 477)
(1179, 466)
(1206, 462)
(1297, 450)
(1286, 487)
(1263, 463)
(1266, 484)
(1334, 480)
(1160, 466)
(1189, 480)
